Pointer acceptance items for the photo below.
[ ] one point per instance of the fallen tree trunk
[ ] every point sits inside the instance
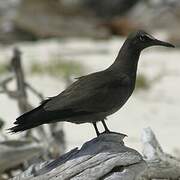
(15, 152)
(160, 165)
(105, 157)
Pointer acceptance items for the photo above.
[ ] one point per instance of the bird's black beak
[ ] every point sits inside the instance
(157, 42)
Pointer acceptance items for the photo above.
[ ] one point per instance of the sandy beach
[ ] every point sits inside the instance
(156, 107)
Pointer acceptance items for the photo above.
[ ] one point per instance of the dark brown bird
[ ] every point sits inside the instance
(95, 96)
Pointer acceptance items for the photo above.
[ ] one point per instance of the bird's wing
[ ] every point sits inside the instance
(89, 93)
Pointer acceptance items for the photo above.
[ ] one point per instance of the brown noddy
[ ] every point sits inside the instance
(95, 96)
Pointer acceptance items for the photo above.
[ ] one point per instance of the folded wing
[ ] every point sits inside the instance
(94, 93)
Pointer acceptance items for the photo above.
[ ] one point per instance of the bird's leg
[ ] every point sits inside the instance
(105, 127)
(96, 129)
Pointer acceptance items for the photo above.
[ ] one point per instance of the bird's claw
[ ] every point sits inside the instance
(107, 132)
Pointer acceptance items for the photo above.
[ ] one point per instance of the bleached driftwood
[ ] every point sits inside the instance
(53, 138)
(13, 153)
(160, 164)
(105, 157)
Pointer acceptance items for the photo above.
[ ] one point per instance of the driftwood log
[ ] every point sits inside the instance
(105, 157)
(16, 152)
(160, 164)
(52, 141)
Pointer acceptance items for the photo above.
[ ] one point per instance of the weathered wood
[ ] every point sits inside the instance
(104, 157)
(160, 164)
(53, 141)
(13, 153)
(4, 80)
(38, 94)
(107, 158)
(23, 104)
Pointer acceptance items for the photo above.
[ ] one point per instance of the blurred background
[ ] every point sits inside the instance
(45, 44)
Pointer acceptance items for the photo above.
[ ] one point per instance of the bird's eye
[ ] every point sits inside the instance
(142, 38)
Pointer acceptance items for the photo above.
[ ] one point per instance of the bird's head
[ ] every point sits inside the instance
(141, 40)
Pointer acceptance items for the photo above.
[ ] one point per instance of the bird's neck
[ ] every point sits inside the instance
(127, 60)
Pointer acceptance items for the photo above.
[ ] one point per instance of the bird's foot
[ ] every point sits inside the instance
(112, 132)
(98, 134)
(107, 132)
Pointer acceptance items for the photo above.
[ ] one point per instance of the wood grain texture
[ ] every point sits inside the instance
(104, 157)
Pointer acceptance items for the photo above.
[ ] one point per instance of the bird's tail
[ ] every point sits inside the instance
(29, 120)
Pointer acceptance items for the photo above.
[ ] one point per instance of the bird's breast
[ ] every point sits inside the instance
(119, 97)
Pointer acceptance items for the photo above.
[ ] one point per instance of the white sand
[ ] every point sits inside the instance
(157, 107)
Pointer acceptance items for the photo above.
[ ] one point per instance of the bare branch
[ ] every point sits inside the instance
(104, 157)
(160, 164)
(38, 94)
